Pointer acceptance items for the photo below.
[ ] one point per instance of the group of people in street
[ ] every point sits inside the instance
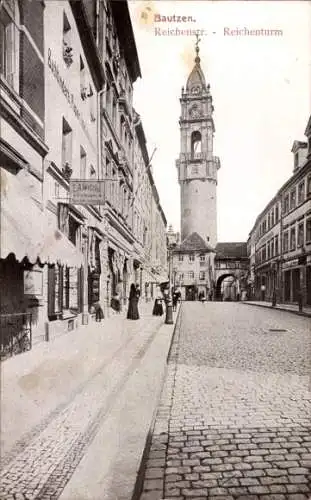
(134, 296)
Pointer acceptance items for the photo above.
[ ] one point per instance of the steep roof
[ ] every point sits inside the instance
(231, 250)
(196, 76)
(192, 243)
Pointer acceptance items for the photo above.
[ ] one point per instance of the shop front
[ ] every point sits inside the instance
(295, 281)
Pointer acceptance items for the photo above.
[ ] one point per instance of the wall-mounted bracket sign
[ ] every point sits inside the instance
(87, 192)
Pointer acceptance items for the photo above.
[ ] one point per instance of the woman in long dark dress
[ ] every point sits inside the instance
(158, 307)
(132, 312)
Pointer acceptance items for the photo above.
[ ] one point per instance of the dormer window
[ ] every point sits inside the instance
(296, 160)
(67, 44)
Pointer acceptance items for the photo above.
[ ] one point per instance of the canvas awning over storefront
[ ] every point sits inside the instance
(56, 248)
(35, 241)
(25, 231)
(21, 229)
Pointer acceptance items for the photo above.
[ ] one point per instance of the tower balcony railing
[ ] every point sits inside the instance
(193, 156)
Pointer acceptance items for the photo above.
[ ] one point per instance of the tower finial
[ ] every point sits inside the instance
(197, 49)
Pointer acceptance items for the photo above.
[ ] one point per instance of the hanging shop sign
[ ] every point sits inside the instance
(33, 282)
(87, 192)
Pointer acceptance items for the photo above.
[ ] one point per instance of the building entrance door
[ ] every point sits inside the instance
(287, 286)
(295, 284)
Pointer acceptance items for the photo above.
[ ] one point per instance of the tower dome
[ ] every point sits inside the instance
(196, 77)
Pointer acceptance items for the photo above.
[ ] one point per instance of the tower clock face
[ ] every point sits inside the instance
(195, 111)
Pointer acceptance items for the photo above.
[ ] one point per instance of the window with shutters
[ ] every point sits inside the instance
(9, 42)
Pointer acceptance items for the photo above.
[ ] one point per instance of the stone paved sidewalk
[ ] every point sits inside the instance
(61, 393)
(223, 432)
(281, 307)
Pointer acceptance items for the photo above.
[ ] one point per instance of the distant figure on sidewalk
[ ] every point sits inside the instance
(132, 312)
(117, 303)
(158, 307)
(175, 300)
(99, 313)
(202, 297)
(262, 292)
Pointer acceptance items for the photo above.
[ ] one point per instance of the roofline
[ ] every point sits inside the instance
(126, 36)
(300, 172)
(308, 128)
(139, 129)
(88, 43)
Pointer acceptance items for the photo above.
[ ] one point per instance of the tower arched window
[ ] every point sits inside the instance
(9, 42)
(196, 143)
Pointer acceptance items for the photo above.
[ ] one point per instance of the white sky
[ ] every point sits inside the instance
(261, 88)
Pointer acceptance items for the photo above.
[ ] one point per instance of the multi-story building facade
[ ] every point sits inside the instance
(193, 267)
(73, 77)
(67, 75)
(22, 152)
(279, 244)
(158, 255)
(149, 222)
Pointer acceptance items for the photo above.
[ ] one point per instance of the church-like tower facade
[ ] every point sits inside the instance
(197, 166)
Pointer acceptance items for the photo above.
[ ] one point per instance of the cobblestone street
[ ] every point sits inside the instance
(234, 417)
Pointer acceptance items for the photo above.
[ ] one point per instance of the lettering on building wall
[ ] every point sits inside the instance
(69, 95)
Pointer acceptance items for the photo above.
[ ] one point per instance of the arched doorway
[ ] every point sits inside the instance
(225, 287)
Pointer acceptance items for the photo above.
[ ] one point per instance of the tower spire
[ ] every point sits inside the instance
(197, 49)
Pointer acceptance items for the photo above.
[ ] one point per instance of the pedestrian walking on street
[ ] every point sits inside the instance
(132, 312)
(99, 313)
(158, 307)
(175, 300)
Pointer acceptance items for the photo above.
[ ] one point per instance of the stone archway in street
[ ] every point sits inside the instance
(219, 282)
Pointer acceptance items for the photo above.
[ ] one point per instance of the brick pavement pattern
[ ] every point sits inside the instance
(234, 417)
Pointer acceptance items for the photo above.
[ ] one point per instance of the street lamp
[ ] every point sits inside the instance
(168, 296)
